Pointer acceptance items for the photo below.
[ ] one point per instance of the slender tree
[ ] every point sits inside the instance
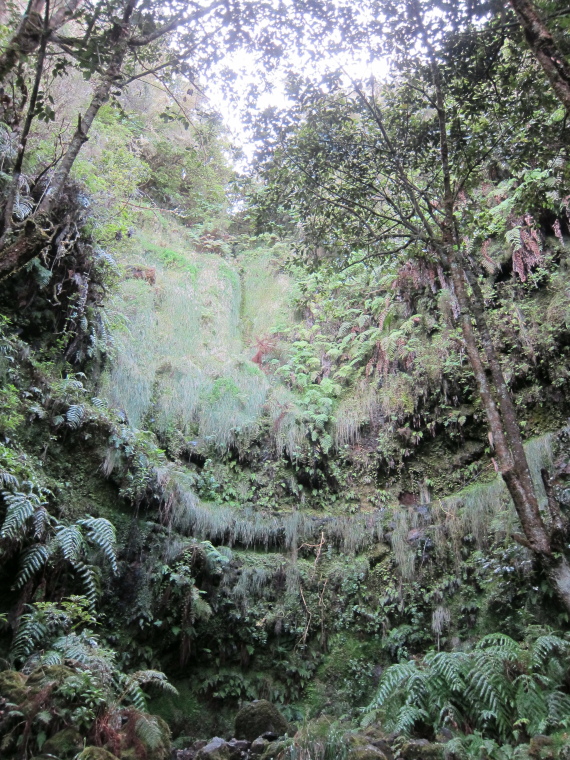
(394, 173)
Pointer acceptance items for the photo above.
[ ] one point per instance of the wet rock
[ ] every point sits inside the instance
(238, 748)
(216, 749)
(183, 754)
(444, 735)
(258, 746)
(259, 718)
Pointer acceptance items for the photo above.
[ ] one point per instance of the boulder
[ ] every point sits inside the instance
(258, 746)
(366, 752)
(238, 748)
(421, 749)
(258, 718)
(216, 749)
(13, 686)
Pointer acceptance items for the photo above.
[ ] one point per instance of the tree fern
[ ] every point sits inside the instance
(491, 689)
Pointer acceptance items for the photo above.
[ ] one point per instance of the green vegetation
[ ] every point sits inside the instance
(284, 453)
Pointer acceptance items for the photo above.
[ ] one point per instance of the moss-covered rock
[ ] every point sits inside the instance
(66, 743)
(96, 753)
(366, 752)
(45, 673)
(422, 750)
(13, 686)
(274, 749)
(258, 718)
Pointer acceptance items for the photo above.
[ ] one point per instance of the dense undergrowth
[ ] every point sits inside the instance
(227, 475)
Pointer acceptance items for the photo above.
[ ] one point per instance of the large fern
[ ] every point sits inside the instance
(495, 688)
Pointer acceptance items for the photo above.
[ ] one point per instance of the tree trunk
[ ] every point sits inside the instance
(503, 422)
(25, 247)
(545, 49)
(118, 41)
(17, 171)
(27, 37)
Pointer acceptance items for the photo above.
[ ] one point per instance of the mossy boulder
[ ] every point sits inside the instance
(47, 673)
(66, 743)
(13, 686)
(421, 749)
(96, 753)
(366, 752)
(257, 718)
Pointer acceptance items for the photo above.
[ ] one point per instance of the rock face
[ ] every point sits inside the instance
(258, 718)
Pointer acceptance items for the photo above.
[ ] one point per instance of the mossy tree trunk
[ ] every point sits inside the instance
(545, 49)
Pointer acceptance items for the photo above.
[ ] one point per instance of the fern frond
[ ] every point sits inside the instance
(148, 731)
(89, 579)
(392, 680)
(51, 658)
(75, 415)
(69, 539)
(7, 480)
(21, 507)
(408, 716)
(31, 563)
(30, 633)
(40, 522)
(543, 649)
(531, 704)
(102, 533)
(155, 678)
(449, 666)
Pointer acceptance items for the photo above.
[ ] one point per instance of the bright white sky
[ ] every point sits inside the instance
(356, 66)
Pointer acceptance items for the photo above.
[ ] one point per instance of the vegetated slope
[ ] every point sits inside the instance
(269, 483)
